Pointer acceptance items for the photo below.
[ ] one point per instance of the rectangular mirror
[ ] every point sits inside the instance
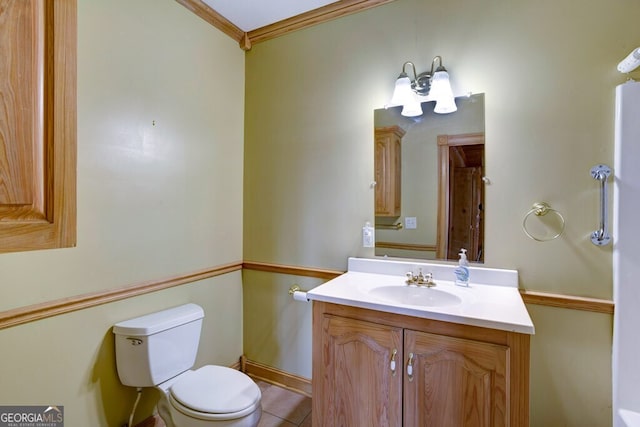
(429, 197)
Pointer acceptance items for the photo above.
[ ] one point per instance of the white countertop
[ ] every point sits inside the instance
(486, 305)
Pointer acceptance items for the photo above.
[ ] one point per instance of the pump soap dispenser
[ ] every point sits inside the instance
(462, 271)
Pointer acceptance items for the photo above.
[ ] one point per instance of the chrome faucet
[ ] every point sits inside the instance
(420, 279)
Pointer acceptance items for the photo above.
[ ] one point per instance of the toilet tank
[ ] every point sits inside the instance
(156, 347)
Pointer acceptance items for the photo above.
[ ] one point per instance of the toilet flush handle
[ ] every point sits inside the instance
(135, 341)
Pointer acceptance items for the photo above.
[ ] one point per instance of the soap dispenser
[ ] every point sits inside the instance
(368, 235)
(462, 271)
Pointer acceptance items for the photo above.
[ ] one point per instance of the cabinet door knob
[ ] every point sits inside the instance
(392, 363)
(410, 367)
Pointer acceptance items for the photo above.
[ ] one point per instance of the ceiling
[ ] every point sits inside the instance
(249, 15)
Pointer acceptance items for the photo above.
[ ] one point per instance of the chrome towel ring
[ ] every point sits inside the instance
(541, 209)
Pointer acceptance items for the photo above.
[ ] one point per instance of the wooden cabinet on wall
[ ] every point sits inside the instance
(388, 169)
(37, 124)
(382, 369)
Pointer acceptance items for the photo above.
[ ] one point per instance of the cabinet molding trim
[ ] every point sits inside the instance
(43, 310)
(572, 302)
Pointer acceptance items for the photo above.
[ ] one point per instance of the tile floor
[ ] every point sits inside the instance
(283, 408)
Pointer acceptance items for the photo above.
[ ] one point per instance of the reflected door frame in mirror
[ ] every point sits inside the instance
(445, 142)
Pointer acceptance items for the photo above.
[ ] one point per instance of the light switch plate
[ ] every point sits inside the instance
(410, 222)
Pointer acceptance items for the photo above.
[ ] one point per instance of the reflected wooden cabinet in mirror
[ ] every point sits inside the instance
(388, 154)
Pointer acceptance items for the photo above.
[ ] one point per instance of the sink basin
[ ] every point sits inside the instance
(412, 295)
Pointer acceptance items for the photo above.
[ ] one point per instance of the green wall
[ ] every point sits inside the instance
(160, 159)
(547, 70)
(165, 186)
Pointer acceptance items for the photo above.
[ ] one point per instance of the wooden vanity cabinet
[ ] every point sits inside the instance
(380, 369)
(388, 169)
(38, 49)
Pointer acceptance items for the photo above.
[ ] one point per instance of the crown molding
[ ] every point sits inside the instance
(205, 12)
(247, 39)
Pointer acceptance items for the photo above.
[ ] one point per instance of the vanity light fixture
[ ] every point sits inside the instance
(427, 86)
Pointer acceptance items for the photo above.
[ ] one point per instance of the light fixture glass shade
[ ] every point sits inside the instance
(402, 94)
(442, 93)
(445, 106)
(412, 108)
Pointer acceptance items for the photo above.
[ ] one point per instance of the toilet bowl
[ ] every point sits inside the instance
(210, 396)
(159, 349)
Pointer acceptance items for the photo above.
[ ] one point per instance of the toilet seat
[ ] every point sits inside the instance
(215, 393)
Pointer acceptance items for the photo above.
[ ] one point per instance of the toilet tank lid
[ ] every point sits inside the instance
(160, 321)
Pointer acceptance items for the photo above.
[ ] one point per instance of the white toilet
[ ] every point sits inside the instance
(159, 350)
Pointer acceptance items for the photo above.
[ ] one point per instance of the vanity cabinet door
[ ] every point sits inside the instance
(388, 170)
(37, 124)
(455, 382)
(362, 374)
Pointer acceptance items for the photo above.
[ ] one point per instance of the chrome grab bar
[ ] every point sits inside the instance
(601, 236)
